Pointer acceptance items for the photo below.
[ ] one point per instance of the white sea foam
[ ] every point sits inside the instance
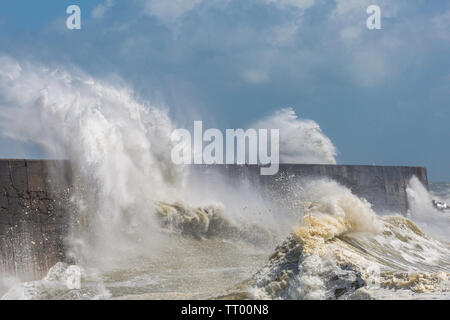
(61, 282)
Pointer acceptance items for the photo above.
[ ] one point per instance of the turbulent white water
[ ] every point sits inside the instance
(144, 228)
(129, 197)
(422, 211)
(115, 144)
(342, 249)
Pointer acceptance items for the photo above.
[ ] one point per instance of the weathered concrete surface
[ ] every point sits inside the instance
(383, 186)
(33, 220)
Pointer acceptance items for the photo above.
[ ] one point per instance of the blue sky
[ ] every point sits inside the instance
(382, 96)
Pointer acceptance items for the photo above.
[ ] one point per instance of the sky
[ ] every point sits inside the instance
(382, 96)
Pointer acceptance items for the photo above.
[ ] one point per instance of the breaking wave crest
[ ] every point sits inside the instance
(206, 222)
(301, 140)
(343, 250)
(117, 146)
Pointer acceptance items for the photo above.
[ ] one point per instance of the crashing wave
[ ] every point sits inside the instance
(62, 282)
(301, 140)
(120, 148)
(440, 205)
(342, 250)
(208, 222)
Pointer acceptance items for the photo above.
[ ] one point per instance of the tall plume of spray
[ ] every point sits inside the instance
(301, 140)
(119, 148)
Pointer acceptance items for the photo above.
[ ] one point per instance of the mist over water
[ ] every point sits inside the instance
(145, 228)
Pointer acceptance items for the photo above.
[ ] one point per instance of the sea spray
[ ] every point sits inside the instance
(342, 250)
(301, 140)
(118, 148)
(129, 195)
(422, 211)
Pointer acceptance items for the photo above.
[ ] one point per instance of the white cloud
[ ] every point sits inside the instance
(300, 4)
(373, 55)
(346, 7)
(370, 68)
(284, 34)
(255, 76)
(356, 9)
(350, 34)
(442, 25)
(99, 11)
(169, 10)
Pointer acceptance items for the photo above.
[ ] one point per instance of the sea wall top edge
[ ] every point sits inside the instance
(252, 165)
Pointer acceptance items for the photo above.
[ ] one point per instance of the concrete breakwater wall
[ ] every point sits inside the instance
(33, 216)
(383, 186)
(35, 213)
